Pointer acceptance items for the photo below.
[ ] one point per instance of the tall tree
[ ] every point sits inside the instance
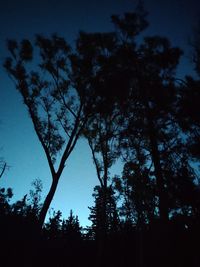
(150, 94)
(55, 106)
(151, 106)
(95, 65)
(101, 62)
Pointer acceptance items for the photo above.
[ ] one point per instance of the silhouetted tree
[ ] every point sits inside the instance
(138, 81)
(94, 59)
(54, 105)
(30, 205)
(71, 229)
(53, 226)
(137, 190)
(97, 213)
(122, 95)
(150, 121)
(101, 137)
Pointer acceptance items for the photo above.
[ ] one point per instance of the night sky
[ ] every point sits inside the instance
(175, 19)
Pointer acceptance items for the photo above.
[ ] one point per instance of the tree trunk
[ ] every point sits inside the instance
(104, 214)
(102, 238)
(48, 201)
(163, 206)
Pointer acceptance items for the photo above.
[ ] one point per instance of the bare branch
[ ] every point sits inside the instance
(3, 169)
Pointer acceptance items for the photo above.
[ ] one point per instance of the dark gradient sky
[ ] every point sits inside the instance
(174, 19)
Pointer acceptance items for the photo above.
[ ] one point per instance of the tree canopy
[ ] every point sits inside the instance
(120, 92)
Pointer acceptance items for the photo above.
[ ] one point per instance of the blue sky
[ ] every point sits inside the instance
(20, 147)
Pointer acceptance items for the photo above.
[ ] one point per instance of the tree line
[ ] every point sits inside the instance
(122, 95)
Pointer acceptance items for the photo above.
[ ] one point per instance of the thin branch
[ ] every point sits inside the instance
(66, 106)
(62, 97)
(63, 126)
(96, 163)
(3, 169)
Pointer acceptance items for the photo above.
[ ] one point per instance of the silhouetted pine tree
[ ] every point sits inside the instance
(71, 229)
(97, 214)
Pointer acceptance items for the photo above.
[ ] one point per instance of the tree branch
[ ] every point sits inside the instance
(3, 169)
